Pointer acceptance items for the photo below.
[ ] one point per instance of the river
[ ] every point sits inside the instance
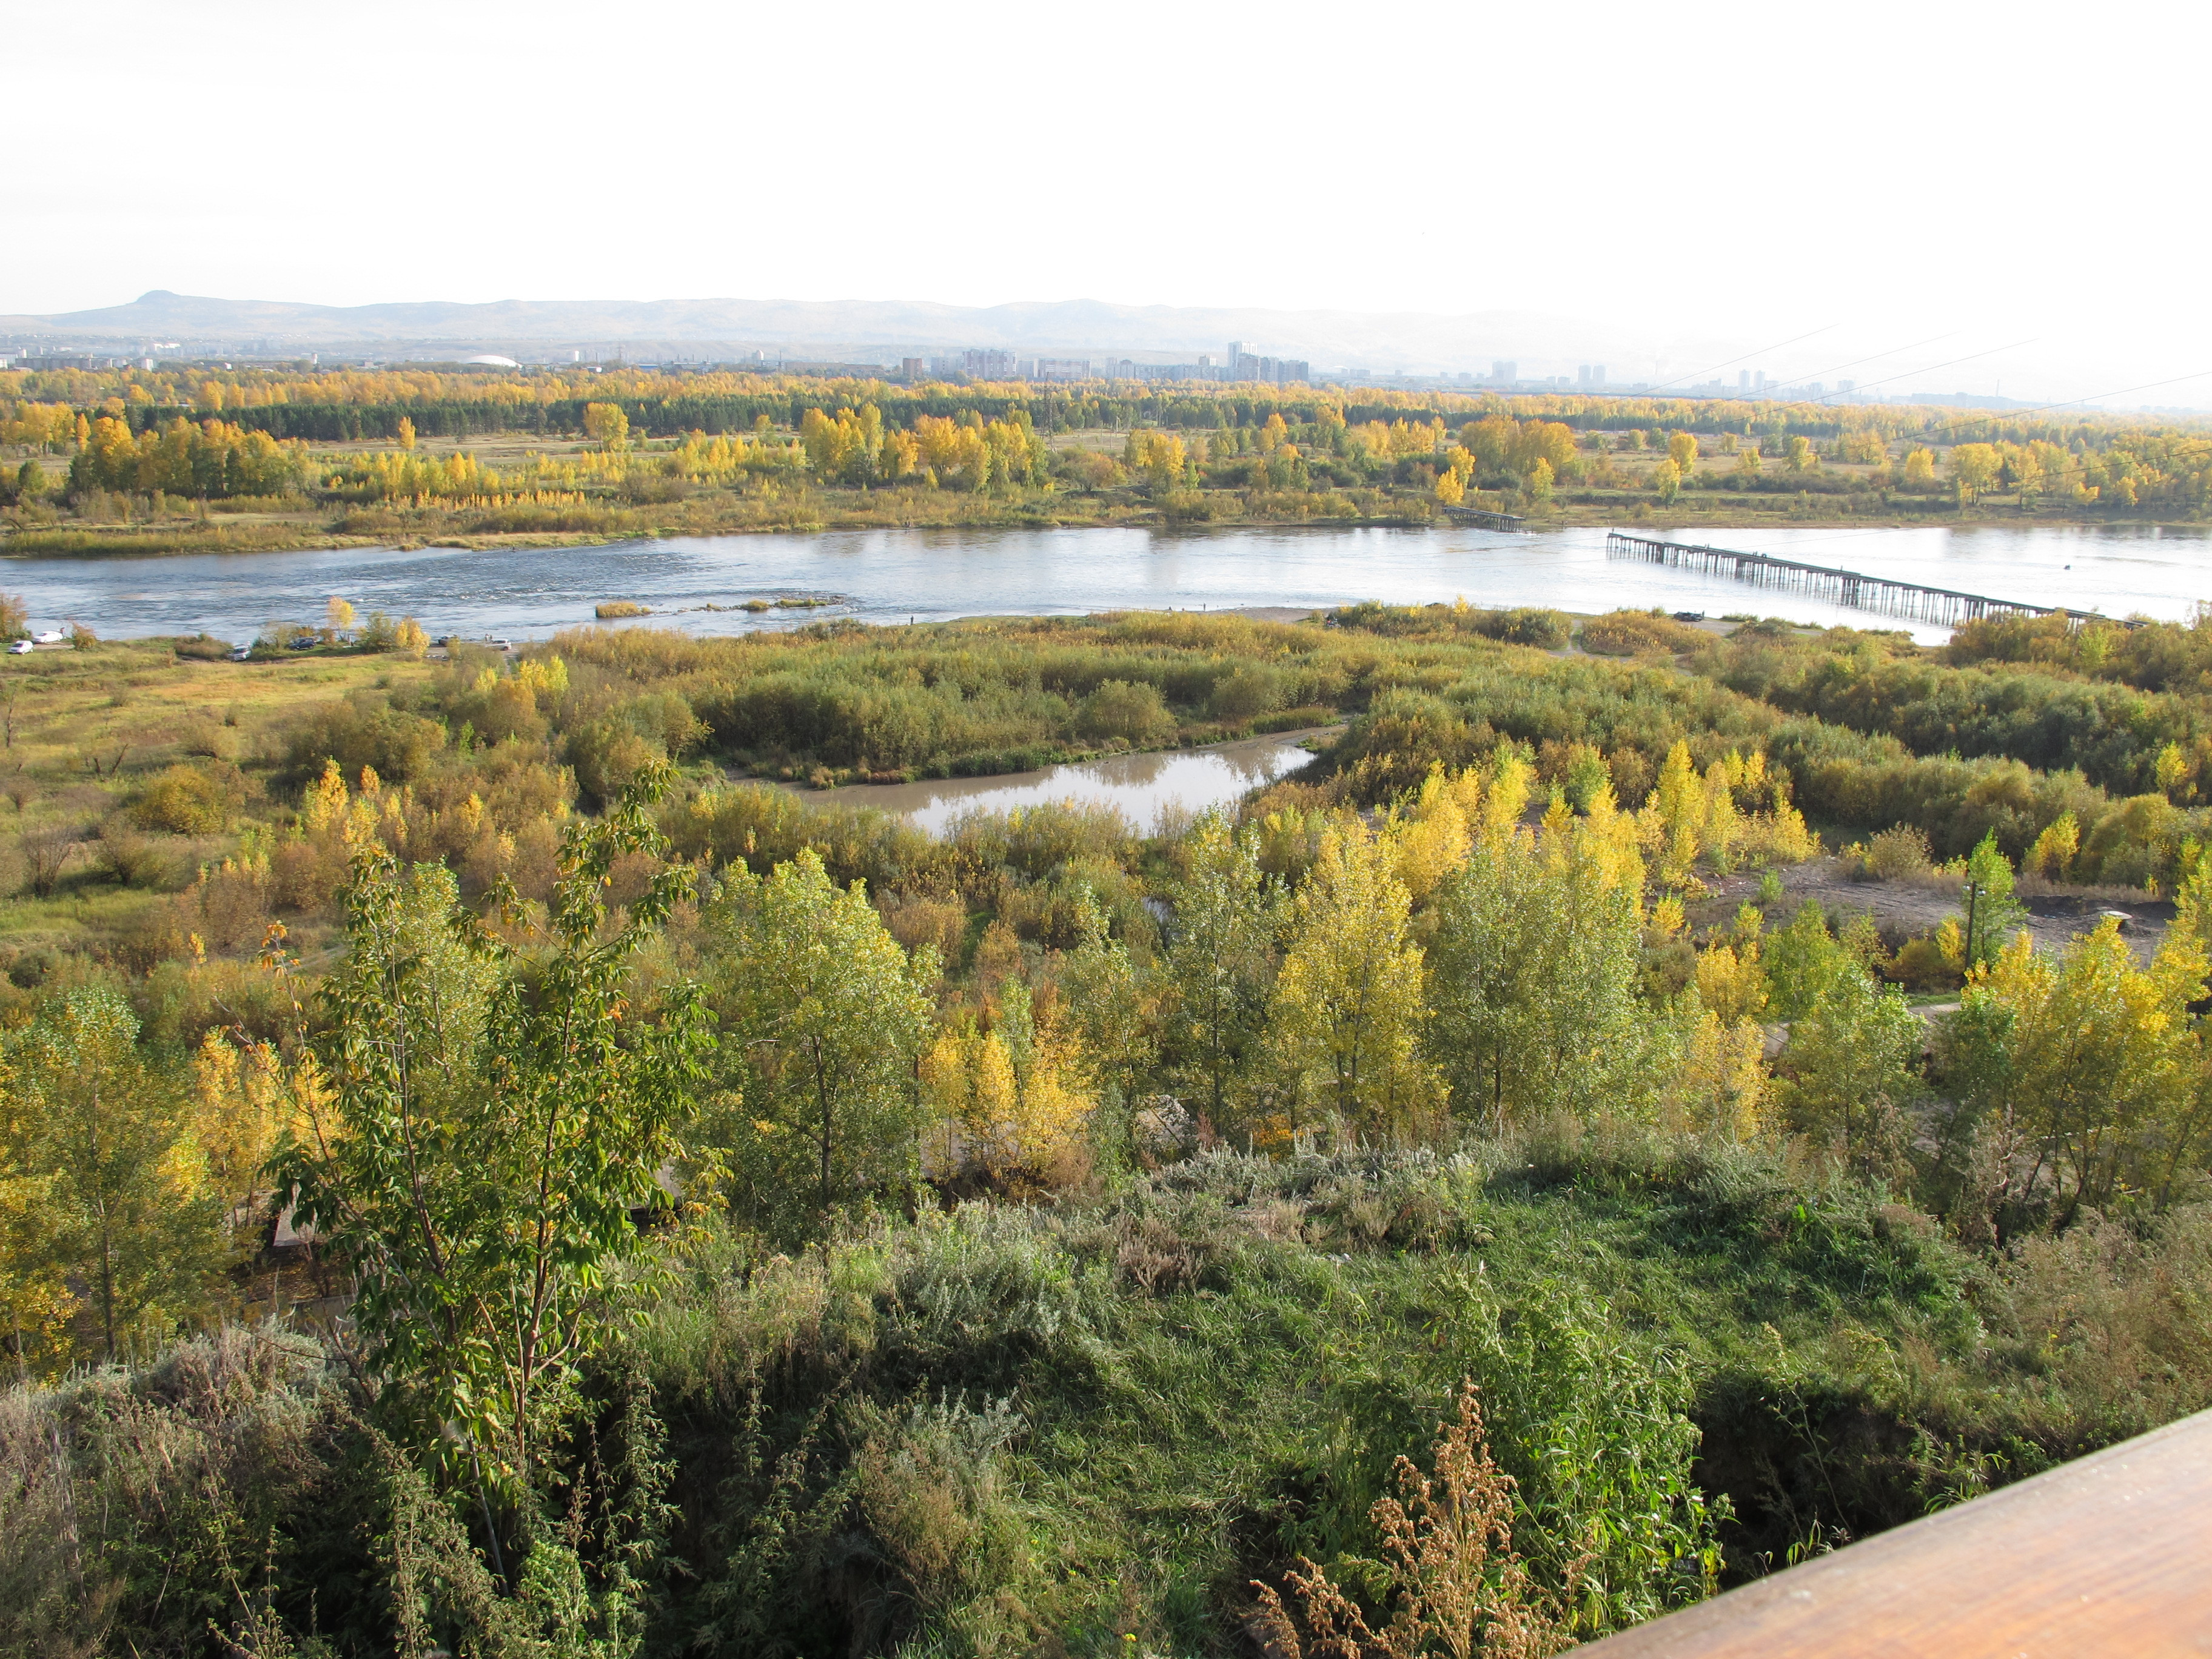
(890, 576)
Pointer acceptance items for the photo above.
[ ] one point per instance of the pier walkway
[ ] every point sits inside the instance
(1944, 606)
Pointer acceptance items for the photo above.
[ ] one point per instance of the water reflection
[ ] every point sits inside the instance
(1140, 786)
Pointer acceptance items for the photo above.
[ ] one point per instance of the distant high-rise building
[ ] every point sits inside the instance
(1759, 381)
(1504, 374)
(912, 368)
(1590, 375)
(989, 365)
(1743, 380)
(1244, 365)
(1842, 386)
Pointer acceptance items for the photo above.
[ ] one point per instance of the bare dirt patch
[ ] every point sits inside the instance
(1904, 909)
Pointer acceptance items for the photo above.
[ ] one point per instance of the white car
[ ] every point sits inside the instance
(52, 636)
(21, 648)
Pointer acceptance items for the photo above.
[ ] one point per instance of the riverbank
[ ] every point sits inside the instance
(411, 529)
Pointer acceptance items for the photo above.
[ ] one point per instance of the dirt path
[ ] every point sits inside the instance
(1903, 909)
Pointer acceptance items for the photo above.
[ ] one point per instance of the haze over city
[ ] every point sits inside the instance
(1635, 191)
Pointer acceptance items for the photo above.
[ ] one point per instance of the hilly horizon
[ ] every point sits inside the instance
(1422, 342)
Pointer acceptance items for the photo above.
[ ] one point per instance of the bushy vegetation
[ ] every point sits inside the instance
(714, 1216)
(588, 454)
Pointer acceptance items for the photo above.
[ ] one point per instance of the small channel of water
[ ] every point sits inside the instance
(1139, 786)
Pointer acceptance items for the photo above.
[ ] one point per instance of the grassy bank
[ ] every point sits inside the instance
(1099, 1419)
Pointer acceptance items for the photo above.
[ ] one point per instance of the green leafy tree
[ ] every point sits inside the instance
(824, 1015)
(1986, 897)
(1534, 969)
(1803, 961)
(1226, 919)
(1851, 1075)
(484, 1122)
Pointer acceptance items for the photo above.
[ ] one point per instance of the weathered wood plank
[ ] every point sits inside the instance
(2109, 1555)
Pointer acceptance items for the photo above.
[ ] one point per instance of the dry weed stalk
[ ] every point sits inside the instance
(1459, 1586)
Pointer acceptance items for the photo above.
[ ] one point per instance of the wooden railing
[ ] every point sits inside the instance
(2109, 1555)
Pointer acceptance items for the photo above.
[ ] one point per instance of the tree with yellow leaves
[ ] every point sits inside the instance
(1719, 1084)
(129, 1213)
(241, 1099)
(1349, 1003)
(606, 424)
(2091, 1062)
(1018, 1097)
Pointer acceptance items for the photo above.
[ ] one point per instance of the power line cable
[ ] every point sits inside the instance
(1746, 358)
(1800, 379)
(2044, 409)
(1907, 373)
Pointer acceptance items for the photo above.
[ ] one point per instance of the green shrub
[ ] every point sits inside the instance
(1135, 714)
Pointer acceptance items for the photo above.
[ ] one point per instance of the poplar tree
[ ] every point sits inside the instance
(824, 1015)
(1534, 966)
(1225, 921)
(1986, 898)
(120, 1189)
(1349, 1004)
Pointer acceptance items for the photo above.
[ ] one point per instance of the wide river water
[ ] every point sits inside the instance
(889, 576)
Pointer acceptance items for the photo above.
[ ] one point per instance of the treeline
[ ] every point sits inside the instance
(212, 458)
(348, 404)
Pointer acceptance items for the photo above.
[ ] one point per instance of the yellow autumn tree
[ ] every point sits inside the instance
(2092, 1061)
(1349, 1002)
(1016, 1098)
(1720, 1085)
(241, 1105)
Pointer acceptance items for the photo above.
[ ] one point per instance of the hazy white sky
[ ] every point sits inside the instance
(1995, 174)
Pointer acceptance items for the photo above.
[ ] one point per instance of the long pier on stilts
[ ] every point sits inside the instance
(1942, 605)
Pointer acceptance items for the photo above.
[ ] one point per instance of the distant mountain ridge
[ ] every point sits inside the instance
(1416, 342)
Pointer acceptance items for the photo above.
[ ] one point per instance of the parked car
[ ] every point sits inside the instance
(52, 636)
(498, 644)
(242, 653)
(21, 648)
